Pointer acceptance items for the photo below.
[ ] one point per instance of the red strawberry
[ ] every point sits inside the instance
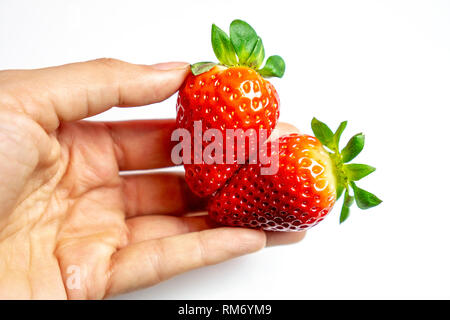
(231, 95)
(303, 191)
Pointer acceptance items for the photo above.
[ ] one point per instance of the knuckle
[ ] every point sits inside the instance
(109, 62)
(155, 260)
(202, 250)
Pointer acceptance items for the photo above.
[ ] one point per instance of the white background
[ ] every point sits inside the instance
(382, 65)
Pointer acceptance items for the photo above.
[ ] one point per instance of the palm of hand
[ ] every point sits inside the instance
(74, 204)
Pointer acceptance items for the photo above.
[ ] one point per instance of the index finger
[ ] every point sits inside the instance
(79, 90)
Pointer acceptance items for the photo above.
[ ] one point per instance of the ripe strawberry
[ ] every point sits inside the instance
(303, 191)
(229, 95)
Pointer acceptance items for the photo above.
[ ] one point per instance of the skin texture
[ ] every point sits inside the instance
(66, 211)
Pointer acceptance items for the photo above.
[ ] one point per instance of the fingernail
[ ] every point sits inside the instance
(170, 66)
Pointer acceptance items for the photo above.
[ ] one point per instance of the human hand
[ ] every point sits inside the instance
(70, 225)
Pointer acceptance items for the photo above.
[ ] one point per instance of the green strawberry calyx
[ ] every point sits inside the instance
(242, 48)
(346, 173)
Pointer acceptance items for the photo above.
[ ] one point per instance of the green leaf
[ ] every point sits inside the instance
(257, 56)
(356, 171)
(353, 147)
(348, 199)
(274, 67)
(345, 212)
(202, 67)
(339, 190)
(243, 39)
(364, 199)
(322, 132)
(338, 133)
(223, 49)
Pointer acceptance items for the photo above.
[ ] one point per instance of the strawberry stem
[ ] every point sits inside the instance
(346, 174)
(242, 48)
